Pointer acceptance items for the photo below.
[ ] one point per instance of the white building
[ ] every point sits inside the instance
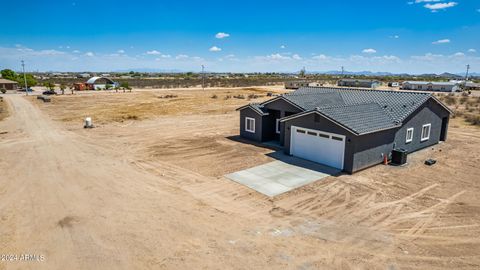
(431, 86)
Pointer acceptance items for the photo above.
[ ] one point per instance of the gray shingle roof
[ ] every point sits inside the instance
(258, 108)
(397, 104)
(360, 118)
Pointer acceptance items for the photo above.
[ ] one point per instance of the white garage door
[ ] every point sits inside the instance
(322, 147)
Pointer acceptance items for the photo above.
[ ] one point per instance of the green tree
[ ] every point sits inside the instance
(124, 85)
(63, 87)
(108, 86)
(31, 81)
(9, 74)
(49, 85)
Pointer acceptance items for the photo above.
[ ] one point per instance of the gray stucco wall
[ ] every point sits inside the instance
(369, 149)
(257, 136)
(280, 108)
(429, 113)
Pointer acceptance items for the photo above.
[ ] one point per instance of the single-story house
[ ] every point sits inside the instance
(472, 86)
(431, 86)
(358, 83)
(296, 84)
(346, 128)
(8, 84)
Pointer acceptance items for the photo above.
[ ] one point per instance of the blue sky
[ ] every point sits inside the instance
(416, 36)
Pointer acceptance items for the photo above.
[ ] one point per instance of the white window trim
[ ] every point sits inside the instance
(407, 140)
(277, 126)
(253, 124)
(428, 135)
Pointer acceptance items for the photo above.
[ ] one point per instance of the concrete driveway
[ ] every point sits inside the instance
(280, 176)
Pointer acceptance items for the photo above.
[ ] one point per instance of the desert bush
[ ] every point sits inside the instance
(463, 99)
(227, 97)
(214, 96)
(130, 117)
(239, 96)
(168, 96)
(473, 119)
(3, 90)
(449, 100)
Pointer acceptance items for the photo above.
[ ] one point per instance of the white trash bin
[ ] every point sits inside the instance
(88, 123)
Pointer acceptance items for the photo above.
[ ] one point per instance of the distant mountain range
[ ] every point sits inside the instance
(331, 72)
(370, 73)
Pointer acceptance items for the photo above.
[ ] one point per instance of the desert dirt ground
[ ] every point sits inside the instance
(147, 192)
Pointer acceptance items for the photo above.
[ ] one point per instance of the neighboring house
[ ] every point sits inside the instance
(8, 85)
(296, 84)
(472, 86)
(358, 83)
(345, 128)
(98, 83)
(431, 86)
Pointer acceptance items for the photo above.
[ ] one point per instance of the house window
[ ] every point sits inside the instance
(409, 135)
(426, 132)
(250, 124)
(277, 126)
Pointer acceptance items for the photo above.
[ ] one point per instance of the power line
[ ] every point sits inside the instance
(25, 78)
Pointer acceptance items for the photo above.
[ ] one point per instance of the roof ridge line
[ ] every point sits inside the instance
(361, 89)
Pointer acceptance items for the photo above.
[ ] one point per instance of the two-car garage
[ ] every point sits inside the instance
(318, 146)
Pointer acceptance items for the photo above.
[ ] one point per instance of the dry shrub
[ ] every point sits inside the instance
(168, 96)
(130, 117)
(214, 96)
(473, 119)
(450, 99)
(239, 96)
(227, 97)
(253, 96)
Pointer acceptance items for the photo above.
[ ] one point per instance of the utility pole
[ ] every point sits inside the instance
(466, 75)
(203, 77)
(342, 71)
(25, 78)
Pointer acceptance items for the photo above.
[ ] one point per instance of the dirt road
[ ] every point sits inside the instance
(85, 207)
(109, 199)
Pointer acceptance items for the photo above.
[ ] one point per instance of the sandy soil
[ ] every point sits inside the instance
(151, 194)
(3, 109)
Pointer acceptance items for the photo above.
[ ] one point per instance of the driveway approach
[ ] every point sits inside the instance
(283, 175)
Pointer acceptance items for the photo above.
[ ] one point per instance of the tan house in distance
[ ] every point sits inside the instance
(7, 84)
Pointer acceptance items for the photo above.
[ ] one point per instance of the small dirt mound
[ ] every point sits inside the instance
(67, 222)
(280, 212)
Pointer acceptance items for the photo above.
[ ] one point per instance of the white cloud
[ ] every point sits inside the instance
(395, 36)
(296, 57)
(283, 47)
(459, 54)
(89, 54)
(76, 51)
(472, 50)
(439, 6)
(441, 41)
(369, 51)
(427, 57)
(426, 1)
(181, 56)
(221, 35)
(320, 57)
(215, 49)
(153, 52)
(121, 51)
